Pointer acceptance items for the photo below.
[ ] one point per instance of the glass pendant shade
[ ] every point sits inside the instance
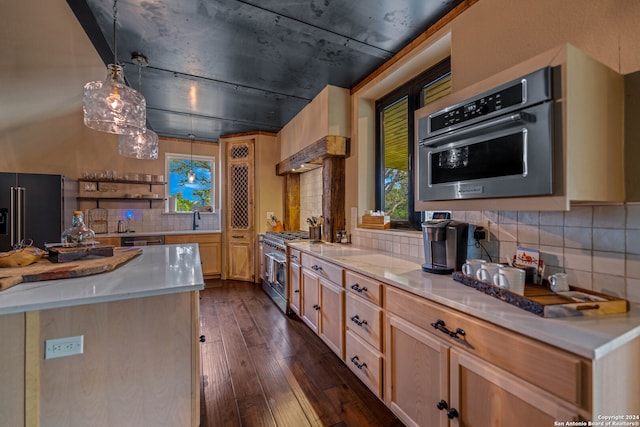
(111, 106)
(142, 145)
(191, 176)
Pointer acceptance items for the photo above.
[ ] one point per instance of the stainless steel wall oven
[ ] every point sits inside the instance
(496, 144)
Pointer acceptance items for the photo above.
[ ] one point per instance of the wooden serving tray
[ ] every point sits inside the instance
(46, 270)
(541, 301)
(67, 254)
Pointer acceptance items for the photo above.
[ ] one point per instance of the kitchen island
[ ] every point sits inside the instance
(140, 361)
(541, 369)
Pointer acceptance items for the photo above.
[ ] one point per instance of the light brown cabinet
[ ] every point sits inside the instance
(322, 307)
(113, 241)
(436, 366)
(446, 367)
(209, 246)
(239, 263)
(294, 280)
(363, 329)
(139, 366)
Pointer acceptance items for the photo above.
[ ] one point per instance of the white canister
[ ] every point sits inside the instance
(172, 204)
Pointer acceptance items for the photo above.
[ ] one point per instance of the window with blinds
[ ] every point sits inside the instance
(395, 143)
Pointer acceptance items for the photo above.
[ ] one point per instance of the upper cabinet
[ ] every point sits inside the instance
(588, 132)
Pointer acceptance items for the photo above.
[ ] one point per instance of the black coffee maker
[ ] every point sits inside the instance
(445, 245)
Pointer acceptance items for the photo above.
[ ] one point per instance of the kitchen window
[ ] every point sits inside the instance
(185, 196)
(395, 138)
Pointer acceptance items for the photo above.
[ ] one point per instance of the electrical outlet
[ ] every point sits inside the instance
(61, 347)
(269, 215)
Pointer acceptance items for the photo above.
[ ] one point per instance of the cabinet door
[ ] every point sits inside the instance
(331, 327)
(485, 395)
(210, 257)
(294, 285)
(240, 257)
(310, 303)
(417, 373)
(239, 220)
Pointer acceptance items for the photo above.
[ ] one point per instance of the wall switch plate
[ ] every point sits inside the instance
(61, 347)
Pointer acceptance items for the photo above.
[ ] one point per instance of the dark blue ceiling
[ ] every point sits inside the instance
(228, 66)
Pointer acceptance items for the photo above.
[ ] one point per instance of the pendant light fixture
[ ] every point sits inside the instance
(111, 106)
(144, 144)
(191, 175)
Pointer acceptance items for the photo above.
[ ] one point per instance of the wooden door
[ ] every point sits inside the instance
(239, 221)
(417, 373)
(294, 286)
(485, 395)
(310, 302)
(331, 326)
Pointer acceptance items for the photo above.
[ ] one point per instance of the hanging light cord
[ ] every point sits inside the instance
(115, 41)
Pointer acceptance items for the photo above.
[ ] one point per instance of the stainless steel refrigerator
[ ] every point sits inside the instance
(35, 207)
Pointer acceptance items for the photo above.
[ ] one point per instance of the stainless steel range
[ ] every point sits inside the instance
(273, 248)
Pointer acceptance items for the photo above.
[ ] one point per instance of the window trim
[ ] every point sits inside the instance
(413, 90)
(181, 156)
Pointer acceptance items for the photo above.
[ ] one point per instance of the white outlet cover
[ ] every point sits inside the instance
(61, 347)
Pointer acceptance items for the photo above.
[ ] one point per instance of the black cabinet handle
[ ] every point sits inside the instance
(203, 338)
(356, 319)
(296, 291)
(293, 257)
(356, 287)
(452, 413)
(440, 325)
(316, 268)
(316, 306)
(355, 360)
(442, 405)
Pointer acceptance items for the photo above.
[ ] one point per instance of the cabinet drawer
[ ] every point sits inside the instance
(192, 238)
(365, 320)
(364, 287)
(365, 362)
(561, 373)
(294, 256)
(323, 269)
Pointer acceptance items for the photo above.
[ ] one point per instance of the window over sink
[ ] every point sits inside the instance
(183, 194)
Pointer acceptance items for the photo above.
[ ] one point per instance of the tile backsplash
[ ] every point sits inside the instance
(310, 196)
(155, 220)
(597, 246)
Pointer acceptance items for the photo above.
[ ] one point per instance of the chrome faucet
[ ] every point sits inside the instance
(195, 223)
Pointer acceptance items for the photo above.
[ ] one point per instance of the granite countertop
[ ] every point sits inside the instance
(159, 270)
(588, 336)
(157, 233)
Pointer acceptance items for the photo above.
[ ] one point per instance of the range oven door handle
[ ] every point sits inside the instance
(458, 134)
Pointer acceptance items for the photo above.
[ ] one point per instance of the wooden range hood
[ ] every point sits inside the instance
(329, 152)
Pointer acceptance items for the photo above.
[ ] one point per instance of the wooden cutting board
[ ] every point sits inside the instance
(46, 270)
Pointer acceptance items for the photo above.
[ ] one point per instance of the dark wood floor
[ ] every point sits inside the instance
(262, 368)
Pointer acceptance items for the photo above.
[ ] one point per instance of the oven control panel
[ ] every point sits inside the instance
(512, 95)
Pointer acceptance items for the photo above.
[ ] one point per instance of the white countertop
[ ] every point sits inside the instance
(588, 336)
(159, 270)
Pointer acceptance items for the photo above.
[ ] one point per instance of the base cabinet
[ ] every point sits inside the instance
(485, 395)
(294, 281)
(209, 246)
(322, 307)
(417, 374)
